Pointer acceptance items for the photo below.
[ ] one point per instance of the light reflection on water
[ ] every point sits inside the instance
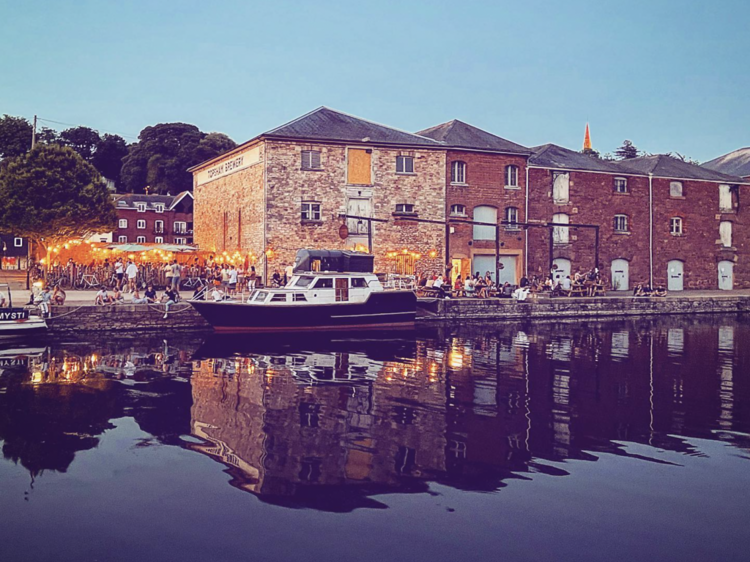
(334, 423)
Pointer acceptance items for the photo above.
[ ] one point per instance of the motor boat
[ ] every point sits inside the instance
(15, 321)
(328, 290)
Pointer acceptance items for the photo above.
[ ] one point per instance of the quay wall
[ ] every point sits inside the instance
(560, 309)
(125, 317)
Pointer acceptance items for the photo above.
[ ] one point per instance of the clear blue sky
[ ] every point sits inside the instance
(670, 76)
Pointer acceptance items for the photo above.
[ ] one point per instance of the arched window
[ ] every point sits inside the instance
(675, 189)
(675, 226)
(621, 223)
(458, 172)
(560, 234)
(511, 218)
(487, 214)
(511, 176)
(459, 210)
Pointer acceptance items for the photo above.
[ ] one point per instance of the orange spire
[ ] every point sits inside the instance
(587, 139)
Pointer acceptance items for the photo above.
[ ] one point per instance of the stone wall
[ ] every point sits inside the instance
(126, 317)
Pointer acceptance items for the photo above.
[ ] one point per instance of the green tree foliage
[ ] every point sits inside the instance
(110, 151)
(627, 150)
(15, 136)
(83, 140)
(163, 154)
(51, 194)
(47, 135)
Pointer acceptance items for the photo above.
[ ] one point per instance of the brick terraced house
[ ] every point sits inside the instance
(287, 188)
(158, 219)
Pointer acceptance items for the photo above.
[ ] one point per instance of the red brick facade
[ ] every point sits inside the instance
(163, 219)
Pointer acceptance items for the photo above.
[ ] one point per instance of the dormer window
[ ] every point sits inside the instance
(141, 207)
(159, 207)
(122, 203)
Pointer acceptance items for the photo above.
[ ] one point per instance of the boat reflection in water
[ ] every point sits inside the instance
(330, 423)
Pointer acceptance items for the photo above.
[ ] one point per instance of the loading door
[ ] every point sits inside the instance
(726, 275)
(620, 275)
(675, 275)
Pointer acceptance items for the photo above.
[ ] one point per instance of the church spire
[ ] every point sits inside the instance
(587, 139)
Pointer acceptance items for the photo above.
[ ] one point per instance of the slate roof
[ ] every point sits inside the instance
(664, 166)
(555, 156)
(736, 163)
(325, 123)
(457, 134)
(130, 199)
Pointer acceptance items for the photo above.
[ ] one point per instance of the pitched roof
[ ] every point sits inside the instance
(457, 134)
(736, 163)
(325, 123)
(130, 199)
(664, 166)
(555, 156)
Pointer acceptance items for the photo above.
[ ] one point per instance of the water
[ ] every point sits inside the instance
(582, 441)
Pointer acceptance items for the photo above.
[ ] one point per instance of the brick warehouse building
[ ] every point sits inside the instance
(166, 219)
(286, 189)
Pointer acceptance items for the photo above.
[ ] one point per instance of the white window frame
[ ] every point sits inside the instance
(675, 226)
(140, 239)
(401, 164)
(620, 184)
(308, 158)
(311, 211)
(458, 210)
(141, 206)
(673, 186)
(180, 227)
(561, 234)
(122, 239)
(122, 223)
(140, 224)
(511, 218)
(725, 233)
(159, 226)
(180, 240)
(159, 240)
(159, 207)
(17, 242)
(725, 198)
(511, 176)
(620, 224)
(561, 189)
(405, 209)
(458, 172)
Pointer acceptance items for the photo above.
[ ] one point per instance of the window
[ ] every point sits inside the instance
(159, 227)
(621, 223)
(323, 283)
(560, 187)
(725, 233)
(404, 165)
(725, 198)
(140, 224)
(621, 185)
(359, 283)
(675, 189)
(511, 218)
(311, 160)
(359, 166)
(140, 239)
(18, 242)
(404, 209)
(122, 223)
(458, 172)
(511, 176)
(159, 207)
(122, 239)
(675, 226)
(304, 281)
(485, 214)
(311, 211)
(141, 207)
(180, 227)
(299, 297)
(159, 240)
(560, 234)
(459, 210)
(122, 203)
(180, 240)
(278, 297)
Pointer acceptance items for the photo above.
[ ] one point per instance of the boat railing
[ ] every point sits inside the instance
(395, 282)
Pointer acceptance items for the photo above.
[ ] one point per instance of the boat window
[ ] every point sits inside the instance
(260, 296)
(359, 282)
(324, 283)
(299, 297)
(278, 297)
(304, 281)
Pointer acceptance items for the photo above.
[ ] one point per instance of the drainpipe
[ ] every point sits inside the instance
(526, 220)
(651, 229)
(265, 214)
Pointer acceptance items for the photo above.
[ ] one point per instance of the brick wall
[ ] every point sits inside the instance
(168, 217)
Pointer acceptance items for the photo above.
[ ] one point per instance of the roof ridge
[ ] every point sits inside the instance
(294, 120)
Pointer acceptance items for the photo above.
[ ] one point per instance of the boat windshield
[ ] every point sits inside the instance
(304, 281)
(260, 296)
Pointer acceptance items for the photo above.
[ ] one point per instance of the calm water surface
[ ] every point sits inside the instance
(588, 441)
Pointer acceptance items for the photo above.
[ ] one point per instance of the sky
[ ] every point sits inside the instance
(670, 76)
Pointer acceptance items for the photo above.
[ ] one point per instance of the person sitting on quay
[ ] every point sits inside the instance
(150, 294)
(438, 285)
(521, 293)
(170, 298)
(102, 297)
(46, 299)
(58, 296)
(117, 297)
(469, 289)
(137, 298)
(507, 290)
(217, 295)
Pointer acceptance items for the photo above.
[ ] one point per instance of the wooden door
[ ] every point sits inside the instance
(342, 289)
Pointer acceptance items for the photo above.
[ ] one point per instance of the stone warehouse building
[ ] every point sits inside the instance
(288, 188)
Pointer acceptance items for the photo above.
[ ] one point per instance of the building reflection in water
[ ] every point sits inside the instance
(330, 428)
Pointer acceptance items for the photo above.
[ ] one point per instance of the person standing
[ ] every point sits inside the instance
(119, 272)
(232, 280)
(132, 273)
(251, 279)
(176, 273)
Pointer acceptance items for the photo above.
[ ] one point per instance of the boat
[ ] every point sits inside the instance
(16, 321)
(328, 290)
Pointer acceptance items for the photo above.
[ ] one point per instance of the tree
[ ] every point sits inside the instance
(108, 156)
(684, 158)
(591, 152)
(50, 195)
(47, 135)
(627, 150)
(15, 136)
(83, 140)
(163, 154)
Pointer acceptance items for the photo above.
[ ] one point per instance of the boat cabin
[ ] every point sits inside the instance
(320, 288)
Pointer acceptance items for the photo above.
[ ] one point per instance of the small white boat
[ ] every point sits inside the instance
(16, 321)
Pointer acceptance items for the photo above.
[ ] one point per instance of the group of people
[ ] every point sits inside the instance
(170, 297)
(646, 290)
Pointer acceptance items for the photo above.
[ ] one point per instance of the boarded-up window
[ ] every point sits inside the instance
(359, 167)
(560, 187)
(725, 198)
(725, 233)
(488, 215)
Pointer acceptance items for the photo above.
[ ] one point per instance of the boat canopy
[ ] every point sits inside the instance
(333, 260)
